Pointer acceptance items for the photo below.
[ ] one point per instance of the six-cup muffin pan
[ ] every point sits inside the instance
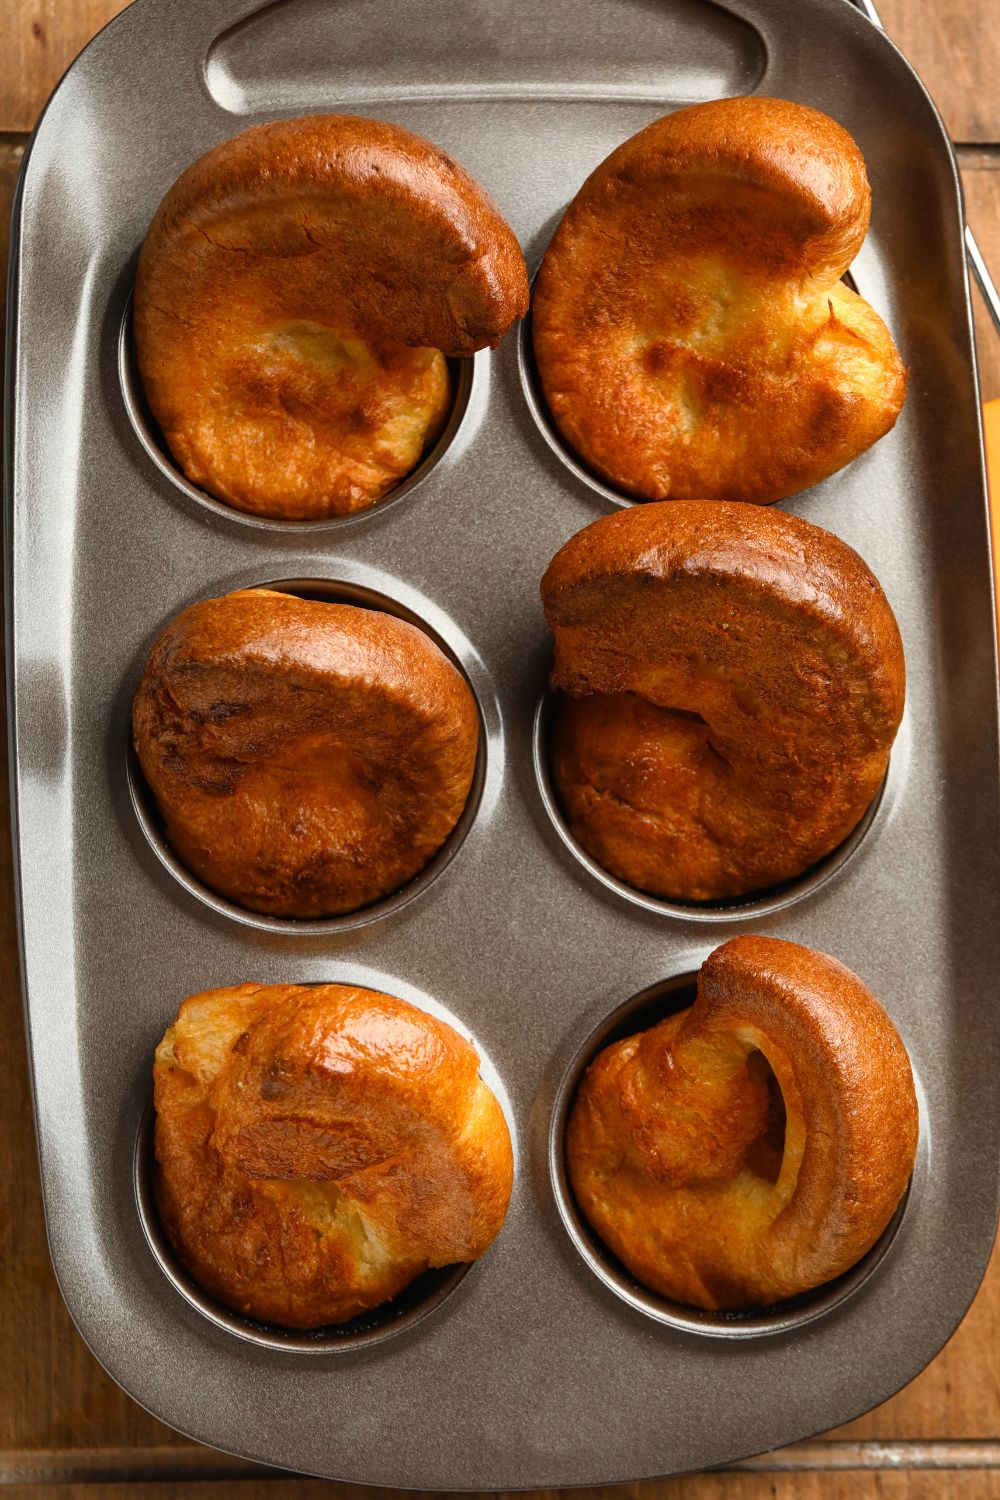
(543, 1364)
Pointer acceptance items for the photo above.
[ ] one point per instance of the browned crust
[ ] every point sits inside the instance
(739, 680)
(307, 758)
(692, 335)
(665, 1122)
(325, 228)
(318, 1147)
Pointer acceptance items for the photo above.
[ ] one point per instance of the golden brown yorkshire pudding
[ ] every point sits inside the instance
(307, 758)
(734, 681)
(318, 1147)
(692, 333)
(297, 292)
(756, 1145)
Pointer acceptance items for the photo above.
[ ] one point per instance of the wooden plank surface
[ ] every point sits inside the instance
(832, 1486)
(953, 46)
(61, 1415)
(981, 185)
(40, 39)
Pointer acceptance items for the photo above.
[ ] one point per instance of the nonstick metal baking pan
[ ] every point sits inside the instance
(542, 1365)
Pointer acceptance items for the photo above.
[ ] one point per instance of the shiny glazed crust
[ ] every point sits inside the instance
(692, 335)
(297, 292)
(307, 758)
(738, 680)
(318, 1147)
(671, 1142)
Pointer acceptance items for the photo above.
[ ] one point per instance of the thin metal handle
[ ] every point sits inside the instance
(974, 255)
(984, 280)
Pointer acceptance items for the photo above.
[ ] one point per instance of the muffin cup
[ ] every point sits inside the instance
(147, 430)
(151, 822)
(424, 1295)
(740, 908)
(538, 406)
(638, 1014)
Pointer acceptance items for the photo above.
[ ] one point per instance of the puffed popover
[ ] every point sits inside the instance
(307, 758)
(729, 682)
(296, 296)
(692, 334)
(317, 1147)
(756, 1145)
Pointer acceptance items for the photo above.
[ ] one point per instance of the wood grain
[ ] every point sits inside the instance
(195, 1465)
(40, 40)
(949, 45)
(909, 1485)
(59, 1412)
(981, 185)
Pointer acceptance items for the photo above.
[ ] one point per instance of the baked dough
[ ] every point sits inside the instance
(296, 296)
(729, 683)
(720, 1186)
(318, 1147)
(307, 758)
(692, 334)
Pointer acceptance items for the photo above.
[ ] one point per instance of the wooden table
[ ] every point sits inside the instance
(66, 1429)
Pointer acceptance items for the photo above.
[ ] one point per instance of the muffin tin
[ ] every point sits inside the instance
(540, 1365)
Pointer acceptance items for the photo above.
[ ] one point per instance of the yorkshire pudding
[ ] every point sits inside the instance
(756, 1145)
(318, 1147)
(307, 758)
(730, 683)
(296, 296)
(691, 331)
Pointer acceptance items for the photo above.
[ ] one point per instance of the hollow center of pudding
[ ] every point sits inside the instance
(336, 353)
(764, 1155)
(304, 420)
